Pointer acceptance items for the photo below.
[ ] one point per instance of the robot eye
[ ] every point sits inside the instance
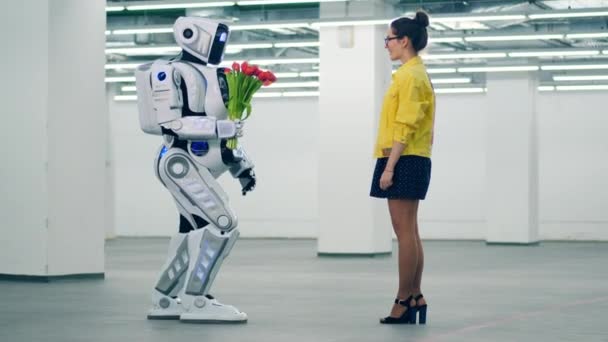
(188, 33)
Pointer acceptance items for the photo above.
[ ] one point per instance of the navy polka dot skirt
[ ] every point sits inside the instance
(411, 178)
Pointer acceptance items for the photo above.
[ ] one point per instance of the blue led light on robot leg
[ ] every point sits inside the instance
(163, 151)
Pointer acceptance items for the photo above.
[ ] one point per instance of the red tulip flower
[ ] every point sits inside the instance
(271, 77)
(243, 81)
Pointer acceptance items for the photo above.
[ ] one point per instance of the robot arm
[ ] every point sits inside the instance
(202, 128)
(167, 103)
(242, 168)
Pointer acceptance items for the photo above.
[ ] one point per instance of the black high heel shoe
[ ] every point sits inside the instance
(407, 317)
(420, 309)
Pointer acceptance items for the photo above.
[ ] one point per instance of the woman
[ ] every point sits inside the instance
(403, 148)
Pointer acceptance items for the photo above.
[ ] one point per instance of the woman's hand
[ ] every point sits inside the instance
(386, 180)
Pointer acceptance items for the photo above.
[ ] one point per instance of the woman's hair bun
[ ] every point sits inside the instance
(422, 19)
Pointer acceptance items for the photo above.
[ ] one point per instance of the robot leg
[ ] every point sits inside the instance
(208, 248)
(165, 302)
(198, 194)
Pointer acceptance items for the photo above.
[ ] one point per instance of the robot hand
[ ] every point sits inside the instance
(248, 180)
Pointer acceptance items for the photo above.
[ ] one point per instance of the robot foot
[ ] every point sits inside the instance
(166, 308)
(206, 309)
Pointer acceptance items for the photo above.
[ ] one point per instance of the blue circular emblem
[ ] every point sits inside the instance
(162, 75)
(199, 148)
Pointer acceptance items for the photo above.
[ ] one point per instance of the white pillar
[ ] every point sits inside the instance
(54, 139)
(355, 72)
(512, 159)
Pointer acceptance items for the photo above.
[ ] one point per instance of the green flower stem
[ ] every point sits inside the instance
(241, 89)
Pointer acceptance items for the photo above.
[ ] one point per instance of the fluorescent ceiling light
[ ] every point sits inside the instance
(546, 88)
(119, 44)
(279, 2)
(437, 27)
(128, 88)
(445, 40)
(554, 53)
(115, 8)
(578, 14)
(441, 70)
(108, 32)
(451, 80)
(228, 63)
(236, 27)
(467, 55)
(583, 87)
(451, 19)
(115, 66)
(180, 5)
(144, 30)
(143, 51)
(351, 23)
(268, 94)
(250, 46)
(310, 74)
(587, 35)
(285, 61)
(286, 74)
(283, 31)
(233, 51)
(499, 68)
(459, 90)
(516, 37)
(120, 79)
(297, 44)
(581, 78)
(300, 93)
(549, 67)
(125, 98)
(269, 26)
(260, 95)
(311, 84)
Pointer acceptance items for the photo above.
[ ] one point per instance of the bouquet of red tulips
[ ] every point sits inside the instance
(243, 81)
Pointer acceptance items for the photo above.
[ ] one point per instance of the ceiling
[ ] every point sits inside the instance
(566, 41)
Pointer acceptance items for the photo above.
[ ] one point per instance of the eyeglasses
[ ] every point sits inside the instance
(387, 39)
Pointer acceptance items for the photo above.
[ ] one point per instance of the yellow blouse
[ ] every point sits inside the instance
(408, 112)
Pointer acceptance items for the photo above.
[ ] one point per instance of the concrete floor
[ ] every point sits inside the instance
(551, 292)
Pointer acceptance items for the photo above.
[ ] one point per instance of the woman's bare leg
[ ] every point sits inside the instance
(416, 289)
(403, 217)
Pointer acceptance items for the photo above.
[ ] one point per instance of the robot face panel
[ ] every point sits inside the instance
(203, 38)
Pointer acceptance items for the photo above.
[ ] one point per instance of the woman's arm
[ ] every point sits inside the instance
(386, 180)
(394, 156)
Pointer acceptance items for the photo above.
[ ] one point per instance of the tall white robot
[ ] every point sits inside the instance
(184, 101)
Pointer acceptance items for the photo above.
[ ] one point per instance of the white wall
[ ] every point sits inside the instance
(23, 203)
(54, 138)
(573, 165)
(454, 206)
(77, 144)
(347, 133)
(573, 168)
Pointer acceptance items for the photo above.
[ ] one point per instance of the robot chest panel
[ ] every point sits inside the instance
(216, 97)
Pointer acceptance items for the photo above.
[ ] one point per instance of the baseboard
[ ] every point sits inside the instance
(49, 278)
(534, 243)
(354, 255)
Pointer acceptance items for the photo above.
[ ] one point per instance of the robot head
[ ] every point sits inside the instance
(203, 38)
